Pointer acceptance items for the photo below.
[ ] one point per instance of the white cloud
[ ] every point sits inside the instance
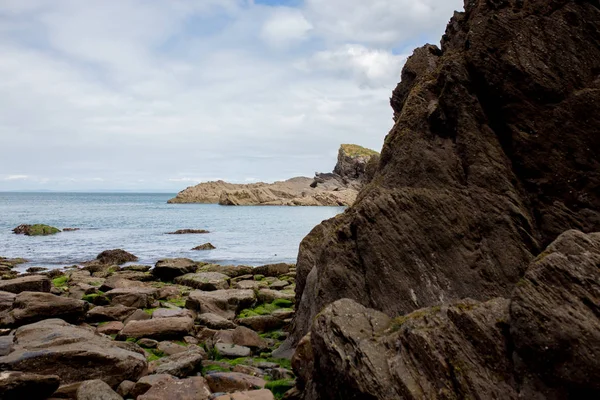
(16, 177)
(154, 94)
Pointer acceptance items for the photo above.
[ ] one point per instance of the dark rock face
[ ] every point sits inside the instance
(542, 343)
(494, 153)
(115, 257)
(17, 385)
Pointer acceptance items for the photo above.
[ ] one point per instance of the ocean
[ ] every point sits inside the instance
(138, 223)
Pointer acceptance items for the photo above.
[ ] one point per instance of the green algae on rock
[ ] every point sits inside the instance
(35, 230)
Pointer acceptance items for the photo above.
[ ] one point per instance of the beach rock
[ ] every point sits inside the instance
(474, 179)
(109, 313)
(170, 268)
(252, 285)
(352, 161)
(279, 285)
(226, 303)
(214, 321)
(232, 271)
(6, 301)
(138, 315)
(159, 329)
(206, 281)
(35, 230)
(6, 343)
(243, 336)
(71, 229)
(233, 381)
(138, 297)
(53, 347)
(124, 389)
(31, 283)
(29, 307)
(261, 323)
(188, 231)
(115, 257)
(147, 382)
(110, 328)
(194, 388)
(272, 270)
(35, 270)
(173, 312)
(148, 343)
(179, 365)
(170, 348)
(136, 268)
(19, 386)
(232, 350)
(96, 390)
(262, 394)
(118, 282)
(268, 295)
(205, 246)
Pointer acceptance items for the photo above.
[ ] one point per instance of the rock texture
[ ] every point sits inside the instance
(334, 189)
(543, 343)
(494, 153)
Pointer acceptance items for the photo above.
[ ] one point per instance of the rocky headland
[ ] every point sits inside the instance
(338, 188)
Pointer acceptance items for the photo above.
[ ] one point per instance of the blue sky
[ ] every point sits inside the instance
(163, 94)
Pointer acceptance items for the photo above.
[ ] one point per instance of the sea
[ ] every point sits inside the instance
(139, 222)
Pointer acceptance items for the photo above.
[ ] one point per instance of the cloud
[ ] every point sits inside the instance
(16, 177)
(153, 94)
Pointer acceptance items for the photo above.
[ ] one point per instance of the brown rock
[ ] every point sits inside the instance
(226, 303)
(159, 329)
(147, 382)
(262, 394)
(96, 390)
(272, 270)
(180, 365)
(125, 388)
(110, 313)
(205, 246)
(171, 268)
(30, 307)
(232, 271)
(243, 336)
(268, 295)
(115, 257)
(194, 388)
(110, 328)
(137, 315)
(19, 386)
(206, 281)
(188, 231)
(138, 297)
(261, 323)
(233, 381)
(214, 321)
(31, 283)
(173, 312)
(170, 348)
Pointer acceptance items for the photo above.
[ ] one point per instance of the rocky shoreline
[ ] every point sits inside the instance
(338, 188)
(180, 330)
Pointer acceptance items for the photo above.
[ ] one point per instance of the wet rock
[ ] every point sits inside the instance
(261, 323)
(31, 283)
(179, 365)
(147, 382)
(194, 388)
(233, 381)
(207, 281)
(35, 230)
(159, 329)
(29, 307)
(205, 246)
(115, 257)
(6, 345)
(53, 347)
(188, 231)
(226, 303)
(96, 390)
(35, 270)
(171, 268)
(214, 321)
(19, 386)
(232, 350)
(110, 313)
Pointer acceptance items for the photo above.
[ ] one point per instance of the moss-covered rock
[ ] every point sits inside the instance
(35, 230)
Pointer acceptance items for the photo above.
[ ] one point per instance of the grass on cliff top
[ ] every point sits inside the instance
(354, 150)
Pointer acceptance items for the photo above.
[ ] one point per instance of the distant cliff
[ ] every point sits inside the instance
(339, 188)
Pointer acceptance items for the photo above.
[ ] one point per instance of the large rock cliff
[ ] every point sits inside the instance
(495, 151)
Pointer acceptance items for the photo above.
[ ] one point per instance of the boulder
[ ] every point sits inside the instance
(262, 394)
(6, 301)
(137, 315)
(35, 230)
(273, 270)
(31, 283)
(214, 321)
(232, 350)
(138, 297)
(243, 336)
(118, 282)
(207, 281)
(232, 271)
(179, 365)
(252, 285)
(170, 348)
(171, 268)
(110, 328)
(148, 343)
(233, 381)
(53, 347)
(147, 382)
(268, 295)
(18, 385)
(159, 329)
(136, 268)
(226, 303)
(194, 388)
(205, 246)
(30, 307)
(261, 323)
(173, 312)
(96, 390)
(115, 257)
(125, 389)
(279, 285)
(110, 313)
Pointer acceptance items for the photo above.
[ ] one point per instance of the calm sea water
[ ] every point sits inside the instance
(138, 223)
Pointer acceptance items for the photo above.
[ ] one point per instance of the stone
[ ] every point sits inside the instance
(147, 382)
(171, 268)
(18, 385)
(261, 323)
(148, 343)
(252, 285)
(125, 388)
(96, 390)
(194, 388)
(53, 347)
(137, 268)
(170, 348)
(272, 270)
(243, 336)
(31, 283)
(179, 365)
(35, 230)
(173, 312)
(30, 307)
(138, 297)
(35, 270)
(279, 285)
(268, 295)
(226, 303)
(262, 394)
(115, 257)
(232, 350)
(110, 328)
(206, 281)
(188, 231)
(214, 321)
(159, 329)
(205, 246)
(233, 271)
(109, 313)
(278, 374)
(233, 381)
(248, 370)
(6, 345)
(6, 301)
(118, 282)
(138, 315)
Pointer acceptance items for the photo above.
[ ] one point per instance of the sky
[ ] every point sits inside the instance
(158, 95)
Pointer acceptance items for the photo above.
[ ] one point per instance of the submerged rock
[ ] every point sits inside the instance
(205, 246)
(35, 230)
(188, 232)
